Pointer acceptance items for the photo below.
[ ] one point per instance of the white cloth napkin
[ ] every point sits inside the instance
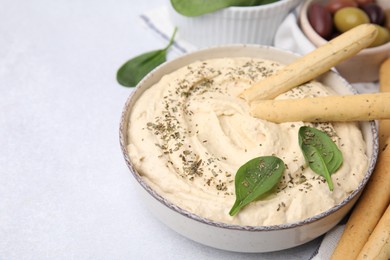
(329, 243)
(288, 37)
(158, 21)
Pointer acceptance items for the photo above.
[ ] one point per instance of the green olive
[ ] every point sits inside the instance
(349, 17)
(382, 37)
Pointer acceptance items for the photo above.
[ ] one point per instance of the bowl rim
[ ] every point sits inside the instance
(262, 7)
(308, 29)
(123, 144)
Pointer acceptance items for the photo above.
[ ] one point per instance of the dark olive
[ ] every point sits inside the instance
(364, 2)
(334, 5)
(387, 18)
(375, 13)
(320, 19)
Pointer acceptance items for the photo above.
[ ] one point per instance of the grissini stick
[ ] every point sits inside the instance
(367, 212)
(324, 109)
(378, 245)
(384, 86)
(375, 197)
(313, 64)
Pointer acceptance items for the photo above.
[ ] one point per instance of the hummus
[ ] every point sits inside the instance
(189, 133)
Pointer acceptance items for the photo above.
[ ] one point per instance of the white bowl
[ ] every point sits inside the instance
(364, 66)
(247, 25)
(235, 237)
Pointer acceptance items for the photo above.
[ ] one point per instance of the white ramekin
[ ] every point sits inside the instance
(247, 25)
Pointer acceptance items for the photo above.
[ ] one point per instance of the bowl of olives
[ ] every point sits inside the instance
(322, 20)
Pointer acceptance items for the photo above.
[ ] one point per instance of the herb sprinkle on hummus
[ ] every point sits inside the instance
(190, 132)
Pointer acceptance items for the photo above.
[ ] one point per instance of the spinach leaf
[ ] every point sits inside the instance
(320, 152)
(200, 7)
(255, 178)
(134, 70)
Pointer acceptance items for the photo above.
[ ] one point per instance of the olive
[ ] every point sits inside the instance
(382, 37)
(349, 17)
(364, 2)
(320, 19)
(375, 13)
(334, 5)
(387, 18)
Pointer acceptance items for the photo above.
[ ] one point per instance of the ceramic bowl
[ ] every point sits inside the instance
(235, 237)
(255, 24)
(363, 67)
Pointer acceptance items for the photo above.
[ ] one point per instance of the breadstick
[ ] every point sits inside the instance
(313, 64)
(323, 109)
(378, 245)
(384, 76)
(368, 210)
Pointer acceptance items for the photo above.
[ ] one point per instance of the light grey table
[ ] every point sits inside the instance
(65, 191)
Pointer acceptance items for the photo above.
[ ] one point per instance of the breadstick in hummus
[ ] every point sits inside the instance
(323, 109)
(313, 64)
(368, 211)
(378, 244)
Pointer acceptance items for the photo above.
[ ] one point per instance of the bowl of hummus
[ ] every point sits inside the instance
(185, 132)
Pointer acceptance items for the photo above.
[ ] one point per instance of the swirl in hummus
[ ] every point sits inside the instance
(190, 132)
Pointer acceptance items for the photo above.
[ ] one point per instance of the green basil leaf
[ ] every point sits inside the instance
(200, 7)
(134, 70)
(255, 178)
(320, 152)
